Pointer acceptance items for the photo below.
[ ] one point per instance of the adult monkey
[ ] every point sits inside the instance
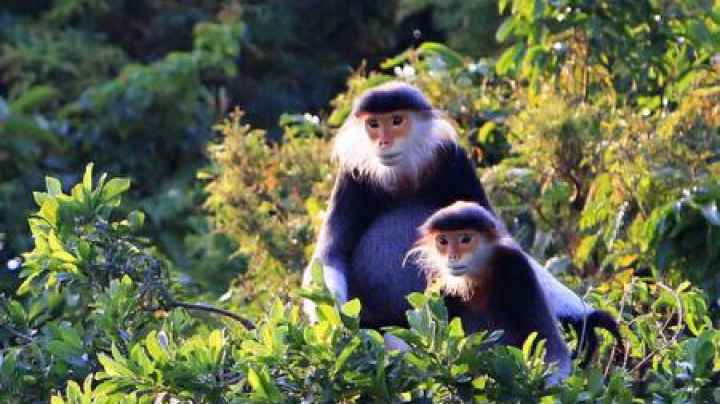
(399, 162)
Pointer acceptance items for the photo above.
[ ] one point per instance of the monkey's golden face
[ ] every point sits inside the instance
(388, 133)
(458, 249)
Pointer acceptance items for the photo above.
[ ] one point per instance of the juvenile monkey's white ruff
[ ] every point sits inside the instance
(436, 267)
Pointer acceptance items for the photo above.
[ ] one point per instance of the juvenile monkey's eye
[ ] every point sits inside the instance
(465, 239)
(441, 240)
(373, 123)
(397, 120)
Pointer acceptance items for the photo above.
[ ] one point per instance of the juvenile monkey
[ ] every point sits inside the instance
(466, 249)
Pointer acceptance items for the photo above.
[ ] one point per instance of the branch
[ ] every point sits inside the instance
(171, 304)
(626, 292)
(18, 334)
(674, 337)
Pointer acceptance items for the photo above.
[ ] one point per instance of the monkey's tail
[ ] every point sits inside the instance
(586, 332)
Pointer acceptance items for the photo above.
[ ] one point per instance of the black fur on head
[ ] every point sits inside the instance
(461, 216)
(392, 96)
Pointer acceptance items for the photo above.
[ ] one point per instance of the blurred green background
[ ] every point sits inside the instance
(136, 87)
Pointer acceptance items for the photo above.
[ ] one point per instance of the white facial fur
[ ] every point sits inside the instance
(394, 155)
(470, 264)
(460, 277)
(354, 151)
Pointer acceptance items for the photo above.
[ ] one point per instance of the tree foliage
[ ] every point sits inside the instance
(595, 131)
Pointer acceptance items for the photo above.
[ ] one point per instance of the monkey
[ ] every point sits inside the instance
(466, 250)
(400, 161)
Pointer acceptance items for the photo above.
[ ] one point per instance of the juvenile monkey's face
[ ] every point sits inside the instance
(388, 133)
(460, 250)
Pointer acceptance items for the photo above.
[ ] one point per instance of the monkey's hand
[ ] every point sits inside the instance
(336, 284)
(585, 329)
(309, 309)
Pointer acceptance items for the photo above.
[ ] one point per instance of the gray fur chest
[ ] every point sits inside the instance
(377, 275)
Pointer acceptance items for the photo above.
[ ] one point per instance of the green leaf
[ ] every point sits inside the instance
(452, 58)
(527, 348)
(114, 188)
(505, 29)
(63, 350)
(507, 60)
(73, 392)
(64, 256)
(345, 354)
(114, 368)
(40, 198)
(395, 61)
(417, 300)
(32, 98)
(351, 308)
(216, 340)
(136, 220)
(54, 186)
(156, 350)
(140, 356)
(485, 131)
(328, 313)
(502, 5)
(71, 336)
(87, 177)
(49, 211)
(265, 390)
(16, 312)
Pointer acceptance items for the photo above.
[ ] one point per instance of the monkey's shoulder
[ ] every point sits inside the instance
(451, 153)
(511, 264)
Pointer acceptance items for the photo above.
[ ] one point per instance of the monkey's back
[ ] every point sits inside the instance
(378, 274)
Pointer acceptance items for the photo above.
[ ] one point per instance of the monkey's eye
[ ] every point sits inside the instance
(441, 241)
(397, 120)
(373, 123)
(465, 239)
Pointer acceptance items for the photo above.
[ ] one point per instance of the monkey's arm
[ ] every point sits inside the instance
(349, 213)
(572, 311)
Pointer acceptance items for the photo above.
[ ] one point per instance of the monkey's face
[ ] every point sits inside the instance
(388, 133)
(460, 250)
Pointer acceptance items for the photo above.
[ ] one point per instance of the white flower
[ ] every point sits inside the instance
(405, 71)
(314, 119)
(480, 67)
(14, 264)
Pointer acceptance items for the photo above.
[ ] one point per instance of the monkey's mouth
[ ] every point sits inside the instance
(390, 159)
(458, 270)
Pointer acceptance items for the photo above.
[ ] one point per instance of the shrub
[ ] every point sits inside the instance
(267, 197)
